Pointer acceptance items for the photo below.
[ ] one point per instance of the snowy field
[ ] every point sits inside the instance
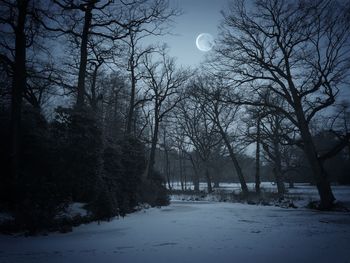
(197, 232)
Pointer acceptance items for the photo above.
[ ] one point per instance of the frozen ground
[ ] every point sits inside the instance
(196, 232)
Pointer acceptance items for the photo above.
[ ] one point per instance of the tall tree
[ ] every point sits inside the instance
(209, 94)
(153, 17)
(272, 129)
(165, 84)
(84, 20)
(19, 29)
(201, 131)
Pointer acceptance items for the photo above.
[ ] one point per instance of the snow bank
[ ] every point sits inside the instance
(75, 209)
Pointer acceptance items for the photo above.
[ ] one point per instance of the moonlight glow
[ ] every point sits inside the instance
(205, 42)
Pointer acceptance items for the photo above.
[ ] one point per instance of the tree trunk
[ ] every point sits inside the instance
(196, 182)
(235, 162)
(319, 174)
(83, 55)
(290, 183)
(217, 176)
(278, 177)
(257, 158)
(93, 90)
(195, 176)
(132, 101)
(167, 168)
(184, 171)
(18, 87)
(153, 146)
(216, 183)
(277, 158)
(181, 173)
(207, 176)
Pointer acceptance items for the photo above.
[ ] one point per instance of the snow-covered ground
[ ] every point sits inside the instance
(196, 232)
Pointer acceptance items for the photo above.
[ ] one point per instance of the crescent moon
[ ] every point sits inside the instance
(205, 42)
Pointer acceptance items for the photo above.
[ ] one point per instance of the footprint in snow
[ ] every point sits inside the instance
(255, 231)
(165, 244)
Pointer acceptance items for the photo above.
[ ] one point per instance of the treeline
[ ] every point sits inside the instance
(178, 169)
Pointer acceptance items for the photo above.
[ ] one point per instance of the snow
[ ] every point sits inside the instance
(5, 217)
(196, 232)
(75, 209)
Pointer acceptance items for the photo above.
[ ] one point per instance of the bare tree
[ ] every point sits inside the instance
(273, 132)
(154, 17)
(113, 97)
(89, 19)
(253, 135)
(19, 30)
(174, 145)
(257, 155)
(100, 54)
(210, 95)
(166, 147)
(164, 83)
(195, 162)
(183, 145)
(299, 51)
(202, 133)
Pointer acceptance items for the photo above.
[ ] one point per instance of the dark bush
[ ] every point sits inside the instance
(77, 146)
(154, 191)
(39, 195)
(133, 163)
(104, 206)
(67, 161)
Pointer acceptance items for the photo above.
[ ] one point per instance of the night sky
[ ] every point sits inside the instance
(199, 16)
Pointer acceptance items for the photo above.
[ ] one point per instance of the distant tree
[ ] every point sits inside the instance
(166, 147)
(201, 132)
(217, 164)
(98, 56)
(180, 145)
(210, 96)
(272, 129)
(114, 100)
(195, 160)
(274, 133)
(164, 88)
(253, 135)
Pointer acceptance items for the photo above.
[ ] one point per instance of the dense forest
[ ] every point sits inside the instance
(93, 109)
